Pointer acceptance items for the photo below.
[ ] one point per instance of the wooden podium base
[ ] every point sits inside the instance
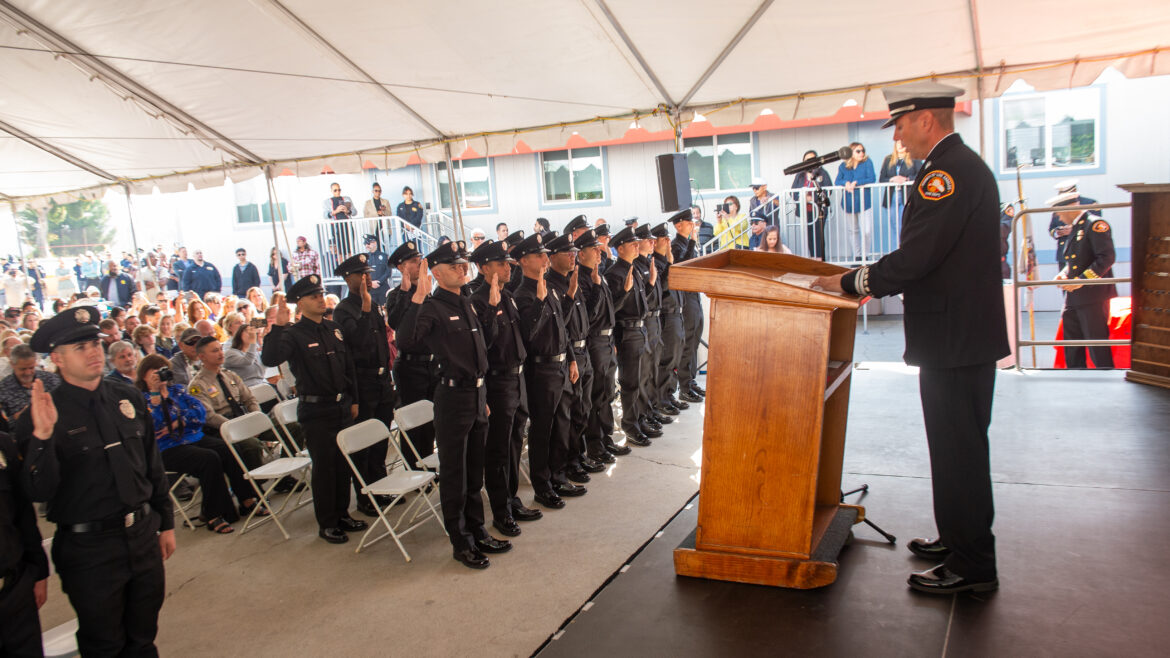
(818, 570)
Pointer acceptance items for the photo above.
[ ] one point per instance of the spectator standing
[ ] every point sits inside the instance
(304, 262)
(732, 224)
(854, 173)
(149, 276)
(66, 283)
(116, 287)
(244, 275)
(1007, 215)
(376, 206)
(501, 232)
(816, 205)
(202, 277)
(338, 208)
(380, 277)
(16, 286)
(78, 275)
(705, 231)
(898, 168)
(179, 264)
(91, 270)
(763, 203)
(409, 210)
(277, 266)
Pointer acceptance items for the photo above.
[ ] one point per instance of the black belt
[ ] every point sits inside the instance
(629, 324)
(377, 371)
(555, 358)
(313, 399)
(461, 383)
(654, 314)
(121, 522)
(578, 344)
(514, 370)
(417, 357)
(603, 333)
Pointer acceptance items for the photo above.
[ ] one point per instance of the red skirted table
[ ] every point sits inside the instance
(1119, 329)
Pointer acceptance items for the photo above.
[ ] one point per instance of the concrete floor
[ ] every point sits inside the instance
(1063, 477)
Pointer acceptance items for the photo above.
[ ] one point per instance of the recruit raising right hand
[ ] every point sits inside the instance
(44, 412)
(424, 283)
(283, 315)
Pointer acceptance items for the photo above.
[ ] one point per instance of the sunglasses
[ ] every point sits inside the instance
(859, 150)
(190, 342)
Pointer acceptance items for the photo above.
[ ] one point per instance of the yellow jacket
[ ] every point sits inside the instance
(740, 227)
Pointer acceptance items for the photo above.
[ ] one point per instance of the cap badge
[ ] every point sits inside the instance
(81, 315)
(313, 278)
(362, 258)
(410, 245)
(127, 408)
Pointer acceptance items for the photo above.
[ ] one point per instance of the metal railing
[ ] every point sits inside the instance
(1017, 283)
(340, 239)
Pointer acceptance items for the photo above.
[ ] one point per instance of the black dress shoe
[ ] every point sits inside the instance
(367, 508)
(651, 432)
(667, 409)
(606, 457)
(577, 475)
(569, 490)
(661, 420)
(349, 524)
(549, 499)
(522, 513)
(592, 465)
(507, 527)
(649, 423)
(490, 544)
(333, 535)
(689, 397)
(681, 406)
(941, 580)
(929, 550)
(699, 390)
(637, 438)
(616, 450)
(473, 559)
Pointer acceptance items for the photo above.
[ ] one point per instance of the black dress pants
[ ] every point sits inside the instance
(579, 408)
(461, 427)
(116, 583)
(956, 407)
(330, 481)
(20, 625)
(599, 428)
(649, 378)
(816, 238)
(516, 441)
(631, 350)
(546, 384)
(503, 398)
(673, 341)
(207, 465)
(688, 367)
(416, 380)
(1087, 322)
(376, 402)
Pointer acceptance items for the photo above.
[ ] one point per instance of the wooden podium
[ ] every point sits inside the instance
(778, 380)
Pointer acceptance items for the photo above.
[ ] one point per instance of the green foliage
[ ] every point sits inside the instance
(71, 228)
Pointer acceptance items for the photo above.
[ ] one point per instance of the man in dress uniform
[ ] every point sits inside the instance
(504, 382)
(684, 248)
(673, 335)
(549, 371)
(89, 451)
(415, 374)
(629, 303)
(449, 327)
(598, 426)
(947, 269)
(24, 569)
(601, 230)
(1088, 254)
(380, 277)
(322, 363)
(650, 271)
(517, 276)
(1057, 228)
(364, 328)
(564, 277)
(576, 227)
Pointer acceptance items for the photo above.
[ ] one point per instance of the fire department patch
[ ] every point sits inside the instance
(1101, 226)
(936, 185)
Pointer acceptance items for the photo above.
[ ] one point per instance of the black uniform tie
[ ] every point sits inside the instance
(119, 459)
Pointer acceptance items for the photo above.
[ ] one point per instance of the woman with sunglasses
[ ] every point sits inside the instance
(854, 173)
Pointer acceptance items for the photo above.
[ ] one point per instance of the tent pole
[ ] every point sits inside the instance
(16, 225)
(270, 187)
(133, 235)
(977, 44)
(456, 202)
(677, 130)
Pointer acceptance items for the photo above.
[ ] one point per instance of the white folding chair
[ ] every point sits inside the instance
(249, 426)
(264, 393)
(398, 482)
(181, 507)
(285, 414)
(413, 416)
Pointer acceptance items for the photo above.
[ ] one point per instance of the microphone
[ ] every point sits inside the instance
(842, 153)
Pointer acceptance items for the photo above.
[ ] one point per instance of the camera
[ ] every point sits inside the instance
(166, 375)
(724, 208)
(259, 323)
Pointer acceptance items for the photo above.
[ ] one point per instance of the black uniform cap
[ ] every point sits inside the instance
(533, 244)
(561, 244)
(580, 221)
(630, 220)
(623, 236)
(514, 238)
(306, 287)
(660, 231)
(403, 253)
(643, 232)
(72, 325)
(490, 251)
(356, 264)
(451, 253)
(602, 231)
(368, 238)
(586, 240)
(683, 215)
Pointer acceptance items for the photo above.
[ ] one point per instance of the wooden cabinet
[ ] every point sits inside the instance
(1150, 363)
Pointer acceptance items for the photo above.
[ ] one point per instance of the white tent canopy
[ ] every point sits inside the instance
(173, 92)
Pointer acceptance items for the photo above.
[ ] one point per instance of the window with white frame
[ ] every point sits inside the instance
(474, 178)
(722, 162)
(573, 175)
(253, 213)
(1053, 131)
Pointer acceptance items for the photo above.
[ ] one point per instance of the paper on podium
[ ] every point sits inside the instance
(798, 280)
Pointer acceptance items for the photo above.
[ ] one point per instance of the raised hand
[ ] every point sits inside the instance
(424, 283)
(283, 315)
(44, 412)
(574, 280)
(595, 276)
(541, 286)
(653, 273)
(364, 291)
(630, 278)
(405, 283)
(494, 291)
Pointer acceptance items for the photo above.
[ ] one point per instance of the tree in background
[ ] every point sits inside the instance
(66, 230)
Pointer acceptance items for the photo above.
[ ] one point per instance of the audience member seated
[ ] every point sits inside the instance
(110, 333)
(225, 396)
(772, 242)
(230, 323)
(166, 335)
(10, 341)
(145, 340)
(243, 356)
(123, 360)
(183, 363)
(16, 388)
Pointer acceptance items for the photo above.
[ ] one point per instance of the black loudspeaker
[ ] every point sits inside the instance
(674, 181)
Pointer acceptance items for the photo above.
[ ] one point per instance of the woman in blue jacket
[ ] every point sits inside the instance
(853, 174)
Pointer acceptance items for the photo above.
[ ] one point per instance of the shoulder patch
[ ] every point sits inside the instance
(936, 185)
(195, 390)
(1101, 226)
